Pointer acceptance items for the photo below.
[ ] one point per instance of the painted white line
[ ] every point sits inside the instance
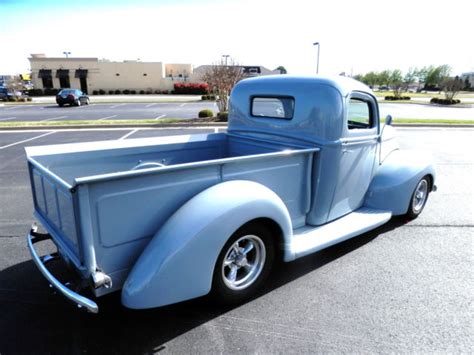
(182, 105)
(160, 117)
(13, 107)
(6, 119)
(27, 140)
(53, 118)
(216, 130)
(151, 105)
(128, 134)
(104, 118)
(115, 106)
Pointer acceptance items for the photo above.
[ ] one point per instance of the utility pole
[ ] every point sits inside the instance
(317, 62)
(225, 56)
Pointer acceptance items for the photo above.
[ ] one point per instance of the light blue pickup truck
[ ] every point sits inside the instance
(306, 163)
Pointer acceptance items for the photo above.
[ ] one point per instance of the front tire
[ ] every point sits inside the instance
(419, 198)
(243, 264)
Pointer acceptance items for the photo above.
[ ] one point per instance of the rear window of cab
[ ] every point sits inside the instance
(273, 107)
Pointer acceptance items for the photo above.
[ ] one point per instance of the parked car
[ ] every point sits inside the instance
(72, 97)
(8, 94)
(305, 163)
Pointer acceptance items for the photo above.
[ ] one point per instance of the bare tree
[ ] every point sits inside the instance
(451, 87)
(221, 78)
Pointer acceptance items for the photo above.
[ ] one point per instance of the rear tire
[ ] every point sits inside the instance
(78, 103)
(419, 198)
(244, 264)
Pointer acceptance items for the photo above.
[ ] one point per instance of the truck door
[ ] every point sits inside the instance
(358, 154)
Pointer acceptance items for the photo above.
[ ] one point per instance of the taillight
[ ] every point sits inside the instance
(70, 96)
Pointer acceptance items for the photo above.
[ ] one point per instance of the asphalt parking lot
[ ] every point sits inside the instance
(103, 111)
(403, 288)
(188, 110)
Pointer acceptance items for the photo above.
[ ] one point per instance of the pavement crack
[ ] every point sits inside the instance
(9, 236)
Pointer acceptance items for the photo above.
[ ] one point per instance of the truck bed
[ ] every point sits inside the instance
(102, 202)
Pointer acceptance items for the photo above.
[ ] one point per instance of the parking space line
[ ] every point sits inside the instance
(128, 134)
(53, 118)
(12, 108)
(151, 105)
(160, 117)
(6, 119)
(182, 105)
(27, 140)
(105, 118)
(115, 106)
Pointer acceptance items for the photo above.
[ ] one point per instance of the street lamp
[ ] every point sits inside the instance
(317, 63)
(225, 56)
(67, 54)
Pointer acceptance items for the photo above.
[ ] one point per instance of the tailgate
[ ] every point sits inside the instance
(55, 208)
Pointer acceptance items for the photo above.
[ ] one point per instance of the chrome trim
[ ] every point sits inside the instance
(100, 279)
(80, 301)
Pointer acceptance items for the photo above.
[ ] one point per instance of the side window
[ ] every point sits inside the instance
(359, 114)
(273, 107)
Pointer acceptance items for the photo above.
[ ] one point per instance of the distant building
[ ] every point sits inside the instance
(247, 70)
(93, 74)
(469, 76)
(89, 74)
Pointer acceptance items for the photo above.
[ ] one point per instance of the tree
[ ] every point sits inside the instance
(436, 76)
(281, 69)
(15, 83)
(410, 77)
(221, 78)
(396, 82)
(384, 77)
(451, 87)
(371, 79)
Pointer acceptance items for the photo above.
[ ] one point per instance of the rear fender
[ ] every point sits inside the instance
(396, 178)
(179, 261)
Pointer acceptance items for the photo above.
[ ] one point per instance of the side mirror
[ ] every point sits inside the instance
(388, 120)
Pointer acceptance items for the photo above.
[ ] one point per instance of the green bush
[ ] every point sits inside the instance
(101, 92)
(111, 92)
(126, 92)
(117, 92)
(133, 92)
(223, 116)
(142, 92)
(95, 92)
(205, 113)
(12, 98)
(149, 92)
(35, 92)
(208, 97)
(435, 100)
(29, 99)
(158, 92)
(395, 98)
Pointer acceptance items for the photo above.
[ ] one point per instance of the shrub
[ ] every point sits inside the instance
(435, 100)
(95, 92)
(101, 92)
(133, 92)
(117, 92)
(157, 92)
(12, 98)
(191, 89)
(126, 92)
(208, 97)
(142, 92)
(111, 92)
(51, 92)
(35, 92)
(223, 116)
(149, 92)
(29, 99)
(165, 92)
(205, 113)
(395, 98)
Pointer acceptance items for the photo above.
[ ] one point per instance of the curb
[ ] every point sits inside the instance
(196, 125)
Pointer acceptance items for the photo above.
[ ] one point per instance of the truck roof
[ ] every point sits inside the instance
(343, 84)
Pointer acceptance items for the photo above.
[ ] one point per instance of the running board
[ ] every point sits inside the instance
(308, 239)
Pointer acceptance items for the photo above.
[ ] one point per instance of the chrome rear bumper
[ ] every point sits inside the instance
(80, 301)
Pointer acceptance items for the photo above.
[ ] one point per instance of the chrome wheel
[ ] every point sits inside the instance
(419, 196)
(243, 262)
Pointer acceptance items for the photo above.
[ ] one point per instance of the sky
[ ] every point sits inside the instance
(355, 36)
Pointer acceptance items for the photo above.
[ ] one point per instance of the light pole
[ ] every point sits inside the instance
(317, 62)
(67, 54)
(225, 56)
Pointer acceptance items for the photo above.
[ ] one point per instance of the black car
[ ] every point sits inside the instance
(72, 97)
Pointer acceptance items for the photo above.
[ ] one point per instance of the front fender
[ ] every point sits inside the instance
(178, 263)
(395, 180)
